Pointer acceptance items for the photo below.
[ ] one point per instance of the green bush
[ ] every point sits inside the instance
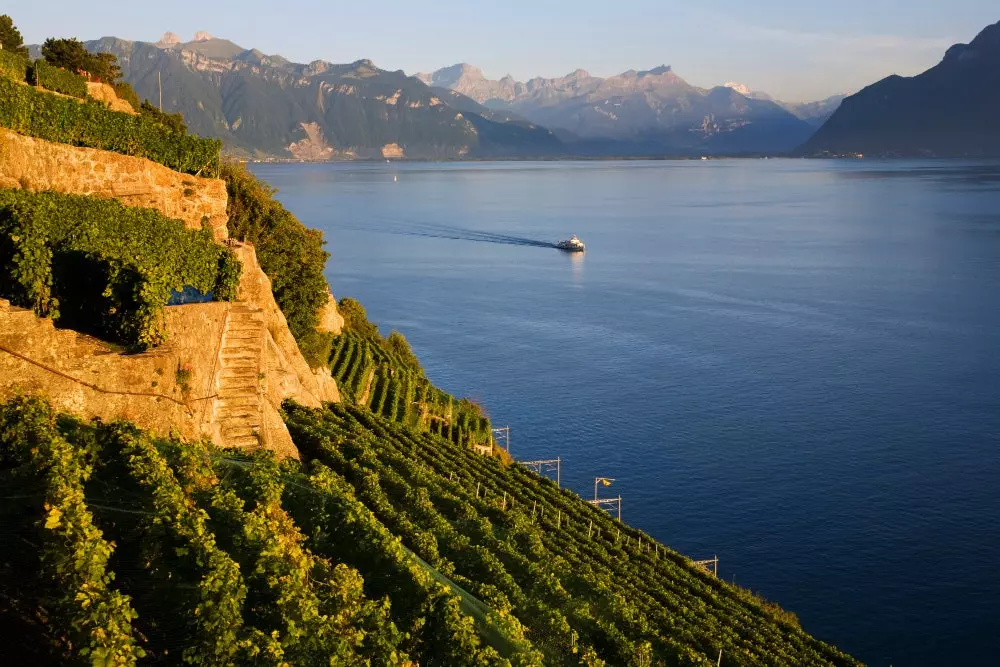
(356, 319)
(104, 268)
(126, 92)
(315, 347)
(91, 124)
(13, 66)
(174, 121)
(290, 254)
(58, 79)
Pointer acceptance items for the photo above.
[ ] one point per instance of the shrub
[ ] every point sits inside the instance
(400, 348)
(125, 92)
(290, 254)
(356, 319)
(13, 66)
(101, 267)
(315, 347)
(91, 124)
(174, 121)
(59, 80)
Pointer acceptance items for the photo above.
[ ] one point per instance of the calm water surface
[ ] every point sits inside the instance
(792, 364)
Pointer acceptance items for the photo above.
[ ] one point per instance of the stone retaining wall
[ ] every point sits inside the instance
(37, 165)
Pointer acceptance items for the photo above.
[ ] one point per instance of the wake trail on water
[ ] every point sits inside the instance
(462, 234)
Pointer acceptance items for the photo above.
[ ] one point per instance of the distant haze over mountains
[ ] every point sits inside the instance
(952, 109)
(655, 107)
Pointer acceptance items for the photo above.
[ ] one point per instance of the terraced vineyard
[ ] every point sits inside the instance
(371, 375)
(584, 587)
(122, 549)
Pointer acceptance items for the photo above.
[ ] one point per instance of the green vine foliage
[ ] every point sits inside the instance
(96, 620)
(387, 546)
(290, 254)
(53, 118)
(13, 66)
(58, 79)
(538, 561)
(102, 267)
(385, 375)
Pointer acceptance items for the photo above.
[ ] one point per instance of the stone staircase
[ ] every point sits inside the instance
(239, 384)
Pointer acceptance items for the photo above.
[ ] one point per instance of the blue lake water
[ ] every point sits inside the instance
(792, 364)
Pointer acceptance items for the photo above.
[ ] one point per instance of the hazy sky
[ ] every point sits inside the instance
(795, 50)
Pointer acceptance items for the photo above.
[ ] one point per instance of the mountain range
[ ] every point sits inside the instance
(651, 111)
(951, 110)
(266, 106)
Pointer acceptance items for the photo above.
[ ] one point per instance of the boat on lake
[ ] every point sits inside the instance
(572, 244)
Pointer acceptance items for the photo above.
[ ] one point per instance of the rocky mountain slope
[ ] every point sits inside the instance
(647, 112)
(267, 106)
(949, 110)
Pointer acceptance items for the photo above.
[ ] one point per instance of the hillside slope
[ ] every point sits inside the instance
(948, 111)
(387, 546)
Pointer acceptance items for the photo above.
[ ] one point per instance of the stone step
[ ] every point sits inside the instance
(229, 434)
(245, 375)
(251, 385)
(239, 353)
(232, 394)
(232, 401)
(239, 413)
(243, 443)
(234, 363)
(237, 372)
(243, 334)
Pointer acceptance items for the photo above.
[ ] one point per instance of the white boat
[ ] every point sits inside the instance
(572, 244)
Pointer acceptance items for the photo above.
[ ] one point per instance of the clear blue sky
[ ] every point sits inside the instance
(794, 49)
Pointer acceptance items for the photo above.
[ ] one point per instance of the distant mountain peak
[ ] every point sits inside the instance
(740, 88)
(202, 36)
(985, 44)
(168, 39)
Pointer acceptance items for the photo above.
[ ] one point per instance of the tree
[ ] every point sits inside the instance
(69, 54)
(104, 67)
(10, 36)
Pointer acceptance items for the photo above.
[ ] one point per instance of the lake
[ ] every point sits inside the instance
(792, 364)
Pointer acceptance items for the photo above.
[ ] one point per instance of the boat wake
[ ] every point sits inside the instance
(462, 234)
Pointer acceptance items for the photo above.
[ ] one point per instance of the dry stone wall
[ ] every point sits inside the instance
(225, 368)
(37, 165)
